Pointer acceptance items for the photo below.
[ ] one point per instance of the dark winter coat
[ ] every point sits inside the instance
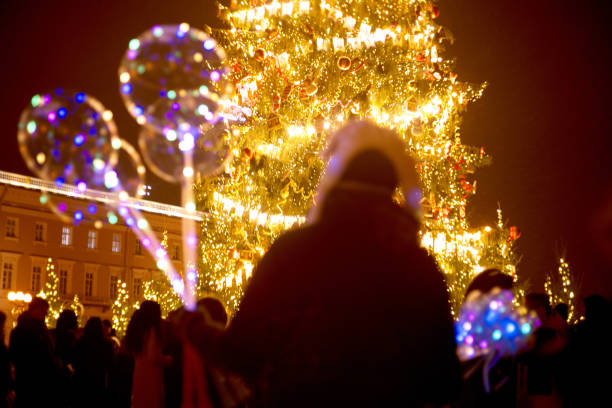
(346, 312)
(36, 370)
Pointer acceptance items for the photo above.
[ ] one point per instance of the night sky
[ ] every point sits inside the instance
(545, 116)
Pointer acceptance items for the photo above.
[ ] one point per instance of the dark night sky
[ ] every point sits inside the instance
(544, 117)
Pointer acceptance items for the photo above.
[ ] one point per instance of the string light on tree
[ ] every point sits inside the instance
(301, 69)
(121, 309)
(560, 286)
(160, 290)
(50, 293)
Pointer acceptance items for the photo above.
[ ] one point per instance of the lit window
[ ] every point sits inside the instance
(12, 226)
(114, 287)
(92, 239)
(36, 278)
(88, 283)
(40, 232)
(138, 250)
(116, 243)
(7, 275)
(66, 236)
(63, 281)
(137, 288)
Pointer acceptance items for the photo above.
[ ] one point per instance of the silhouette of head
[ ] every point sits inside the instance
(93, 328)
(489, 279)
(143, 320)
(540, 303)
(38, 308)
(371, 168)
(67, 320)
(107, 327)
(215, 310)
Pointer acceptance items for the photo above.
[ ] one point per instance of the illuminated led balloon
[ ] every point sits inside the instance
(67, 137)
(127, 176)
(165, 152)
(490, 322)
(167, 62)
(187, 113)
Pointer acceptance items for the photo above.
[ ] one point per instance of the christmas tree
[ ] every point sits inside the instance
(303, 68)
(160, 290)
(560, 286)
(121, 309)
(51, 293)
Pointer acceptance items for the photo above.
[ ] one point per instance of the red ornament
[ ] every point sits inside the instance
(259, 54)
(344, 63)
(276, 102)
(435, 12)
(515, 233)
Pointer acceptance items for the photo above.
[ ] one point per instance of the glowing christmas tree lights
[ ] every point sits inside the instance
(301, 69)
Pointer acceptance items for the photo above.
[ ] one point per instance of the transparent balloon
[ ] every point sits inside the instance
(167, 61)
(98, 206)
(68, 137)
(490, 322)
(165, 152)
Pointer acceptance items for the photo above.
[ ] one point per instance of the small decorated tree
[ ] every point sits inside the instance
(50, 292)
(121, 309)
(560, 286)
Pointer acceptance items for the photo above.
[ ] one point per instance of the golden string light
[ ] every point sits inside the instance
(301, 69)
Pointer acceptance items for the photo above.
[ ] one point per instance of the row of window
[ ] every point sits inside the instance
(36, 286)
(40, 232)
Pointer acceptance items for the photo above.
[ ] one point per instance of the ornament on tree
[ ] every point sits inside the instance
(435, 12)
(515, 233)
(412, 104)
(357, 64)
(309, 88)
(272, 34)
(344, 63)
(274, 121)
(417, 127)
(259, 54)
(286, 92)
(276, 102)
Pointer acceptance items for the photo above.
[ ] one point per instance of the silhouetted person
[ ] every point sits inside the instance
(144, 342)
(349, 310)
(546, 363)
(65, 336)
(31, 351)
(65, 343)
(502, 374)
(592, 355)
(120, 379)
(6, 380)
(92, 360)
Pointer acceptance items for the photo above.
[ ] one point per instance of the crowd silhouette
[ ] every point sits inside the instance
(346, 311)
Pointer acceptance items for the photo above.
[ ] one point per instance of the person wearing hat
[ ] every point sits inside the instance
(349, 310)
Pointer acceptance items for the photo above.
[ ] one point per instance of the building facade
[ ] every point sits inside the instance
(90, 257)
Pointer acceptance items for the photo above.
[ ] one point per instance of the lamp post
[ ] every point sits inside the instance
(20, 301)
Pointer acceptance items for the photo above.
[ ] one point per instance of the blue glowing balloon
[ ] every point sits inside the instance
(490, 322)
(167, 62)
(164, 152)
(67, 137)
